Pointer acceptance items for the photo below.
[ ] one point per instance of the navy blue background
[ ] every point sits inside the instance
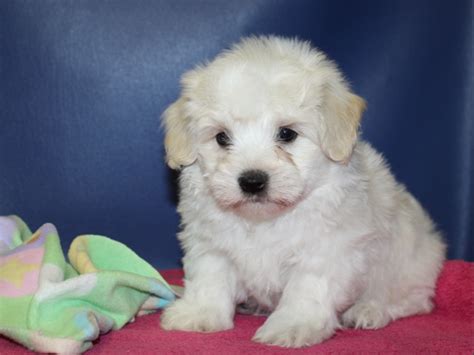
(83, 84)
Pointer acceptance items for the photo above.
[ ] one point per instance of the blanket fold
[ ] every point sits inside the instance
(50, 305)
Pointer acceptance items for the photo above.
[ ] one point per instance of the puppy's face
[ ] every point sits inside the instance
(264, 122)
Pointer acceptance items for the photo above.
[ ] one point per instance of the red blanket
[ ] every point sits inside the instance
(449, 329)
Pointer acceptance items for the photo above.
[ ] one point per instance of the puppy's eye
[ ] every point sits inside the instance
(222, 139)
(286, 135)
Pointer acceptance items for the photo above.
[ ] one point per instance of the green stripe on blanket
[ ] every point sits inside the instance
(49, 305)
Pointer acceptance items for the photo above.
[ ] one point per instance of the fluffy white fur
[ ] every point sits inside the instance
(335, 242)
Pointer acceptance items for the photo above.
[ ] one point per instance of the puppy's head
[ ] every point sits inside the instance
(265, 122)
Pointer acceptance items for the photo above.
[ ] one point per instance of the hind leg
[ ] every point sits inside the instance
(374, 314)
(418, 301)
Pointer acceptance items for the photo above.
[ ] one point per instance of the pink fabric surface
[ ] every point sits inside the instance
(448, 329)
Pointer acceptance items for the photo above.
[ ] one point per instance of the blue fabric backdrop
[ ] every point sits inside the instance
(83, 84)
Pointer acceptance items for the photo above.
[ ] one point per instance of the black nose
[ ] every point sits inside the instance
(253, 181)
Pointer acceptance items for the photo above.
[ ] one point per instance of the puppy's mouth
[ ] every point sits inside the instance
(258, 206)
(261, 208)
(261, 201)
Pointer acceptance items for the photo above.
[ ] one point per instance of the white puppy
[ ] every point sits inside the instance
(282, 205)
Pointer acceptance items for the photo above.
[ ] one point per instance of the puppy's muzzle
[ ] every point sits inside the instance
(253, 182)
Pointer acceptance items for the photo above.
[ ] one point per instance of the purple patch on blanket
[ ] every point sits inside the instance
(34, 241)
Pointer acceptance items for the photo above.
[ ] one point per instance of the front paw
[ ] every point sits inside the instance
(288, 330)
(183, 315)
(368, 315)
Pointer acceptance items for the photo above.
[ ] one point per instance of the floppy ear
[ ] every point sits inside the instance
(178, 143)
(341, 114)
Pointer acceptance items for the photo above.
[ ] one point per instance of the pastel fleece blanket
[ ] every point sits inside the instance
(50, 305)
